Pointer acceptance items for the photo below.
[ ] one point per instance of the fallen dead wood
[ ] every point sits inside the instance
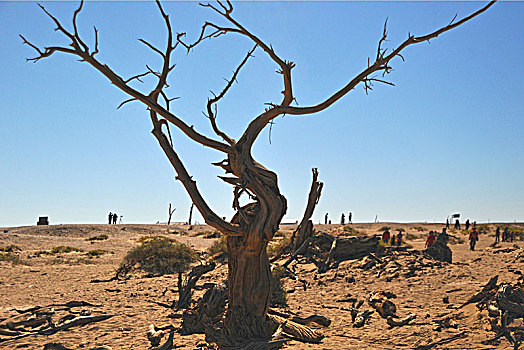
(402, 322)
(154, 336)
(38, 320)
(486, 292)
(298, 331)
(382, 304)
(511, 300)
(318, 319)
(186, 285)
(168, 344)
(442, 341)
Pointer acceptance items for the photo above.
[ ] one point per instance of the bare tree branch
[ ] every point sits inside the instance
(212, 101)
(210, 217)
(380, 64)
(218, 31)
(151, 47)
(95, 51)
(126, 101)
(115, 79)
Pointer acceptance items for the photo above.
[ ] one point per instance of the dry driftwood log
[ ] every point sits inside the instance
(401, 322)
(154, 336)
(187, 284)
(209, 309)
(38, 320)
(382, 304)
(511, 299)
(298, 331)
(168, 344)
(486, 292)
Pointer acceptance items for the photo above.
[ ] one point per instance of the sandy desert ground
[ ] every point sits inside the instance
(420, 286)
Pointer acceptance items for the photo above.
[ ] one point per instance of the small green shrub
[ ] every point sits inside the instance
(10, 249)
(384, 228)
(350, 231)
(483, 229)
(219, 247)
(64, 249)
(42, 252)
(456, 240)
(278, 247)
(96, 253)
(278, 234)
(159, 256)
(418, 228)
(410, 236)
(57, 250)
(278, 294)
(101, 237)
(11, 257)
(144, 239)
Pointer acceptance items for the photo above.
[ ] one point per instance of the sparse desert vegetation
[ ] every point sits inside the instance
(418, 283)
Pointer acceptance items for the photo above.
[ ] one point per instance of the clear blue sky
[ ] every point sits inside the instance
(447, 138)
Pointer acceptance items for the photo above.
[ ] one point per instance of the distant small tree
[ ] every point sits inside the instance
(170, 213)
(254, 224)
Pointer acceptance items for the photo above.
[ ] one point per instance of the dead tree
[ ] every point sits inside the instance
(190, 214)
(170, 213)
(254, 224)
(305, 228)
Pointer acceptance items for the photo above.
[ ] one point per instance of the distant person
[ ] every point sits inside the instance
(326, 219)
(473, 238)
(431, 239)
(467, 224)
(399, 238)
(457, 224)
(329, 222)
(511, 235)
(386, 236)
(497, 235)
(115, 216)
(342, 219)
(447, 223)
(474, 224)
(350, 218)
(120, 221)
(110, 218)
(505, 235)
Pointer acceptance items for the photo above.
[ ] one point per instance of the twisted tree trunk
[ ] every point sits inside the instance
(249, 274)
